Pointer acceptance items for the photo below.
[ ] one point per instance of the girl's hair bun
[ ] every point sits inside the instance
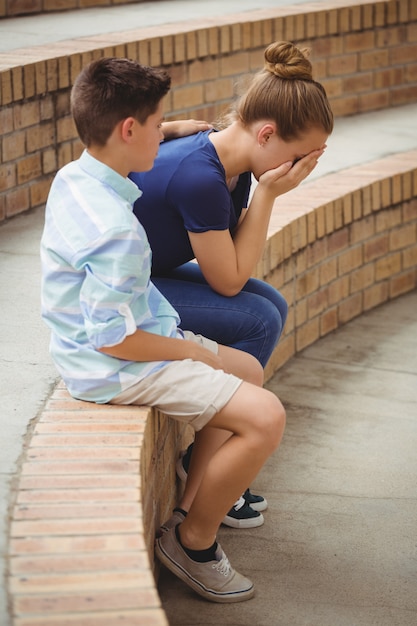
(287, 61)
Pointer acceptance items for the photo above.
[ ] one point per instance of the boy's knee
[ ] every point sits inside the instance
(271, 420)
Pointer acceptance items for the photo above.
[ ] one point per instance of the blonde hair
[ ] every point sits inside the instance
(284, 91)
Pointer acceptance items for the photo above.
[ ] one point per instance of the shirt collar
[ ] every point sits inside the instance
(123, 186)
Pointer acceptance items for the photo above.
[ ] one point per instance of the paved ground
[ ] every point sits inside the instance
(33, 30)
(338, 547)
(341, 512)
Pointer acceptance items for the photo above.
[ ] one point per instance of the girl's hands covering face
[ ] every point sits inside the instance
(281, 165)
(290, 174)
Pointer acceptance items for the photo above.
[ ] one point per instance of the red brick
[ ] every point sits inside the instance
(82, 562)
(375, 295)
(402, 237)
(388, 266)
(307, 334)
(387, 219)
(376, 247)
(13, 146)
(373, 59)
(318, 252)
(138, 617)
(89, 600)
(317, 303)
(358, 83)
(409, 258)
(64, 527)
(362, 278)
(17, 201)
(405, 282)
(328, 321)
(307, 283)
(50, 545)
(350, 308)
(39, 191)
(338, 241)
(236, 63)
(349, 260)
(332, 21)
(357, 42)
(346, 105)
(338, 290)
(328, 271)
(346, 64)
(404, 95)
(91, 495)
(400, 55)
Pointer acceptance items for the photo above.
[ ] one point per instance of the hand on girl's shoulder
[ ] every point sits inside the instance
(183, 128)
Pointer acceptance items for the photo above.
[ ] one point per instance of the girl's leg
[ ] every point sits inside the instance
(251, 321)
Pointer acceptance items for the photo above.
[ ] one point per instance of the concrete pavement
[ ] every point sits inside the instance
(33, 30)
(338, 547)
(368, 523)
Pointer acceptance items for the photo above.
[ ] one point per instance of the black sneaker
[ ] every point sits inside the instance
(241, 515)
(258, 503)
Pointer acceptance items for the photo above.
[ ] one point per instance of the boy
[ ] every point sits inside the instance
(115, 338)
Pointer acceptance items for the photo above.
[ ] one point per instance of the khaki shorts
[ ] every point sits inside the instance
(188, 391)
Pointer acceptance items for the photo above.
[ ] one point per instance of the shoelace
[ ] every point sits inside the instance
(223, 566)
(239, 503)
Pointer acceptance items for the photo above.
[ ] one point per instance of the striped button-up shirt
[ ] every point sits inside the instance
(96, 287)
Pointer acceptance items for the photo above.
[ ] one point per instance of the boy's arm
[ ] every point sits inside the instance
(182, 128)
(144, 346)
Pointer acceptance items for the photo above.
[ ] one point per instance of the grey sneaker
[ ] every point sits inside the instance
(176, 518)
(216, 580)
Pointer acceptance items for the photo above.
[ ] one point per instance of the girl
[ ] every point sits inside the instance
(194, 207)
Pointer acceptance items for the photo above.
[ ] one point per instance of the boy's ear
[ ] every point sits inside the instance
(127, 128)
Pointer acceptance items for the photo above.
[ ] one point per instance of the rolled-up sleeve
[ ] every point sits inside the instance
(113, 294)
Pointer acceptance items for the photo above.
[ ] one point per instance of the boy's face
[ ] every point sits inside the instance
(148, 136)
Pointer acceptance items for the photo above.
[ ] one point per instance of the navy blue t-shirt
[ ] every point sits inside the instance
(186, 191)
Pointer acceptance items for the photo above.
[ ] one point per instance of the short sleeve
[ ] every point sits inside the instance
(199, 193)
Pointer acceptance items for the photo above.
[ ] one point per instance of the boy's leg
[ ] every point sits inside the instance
(190, 549)
(209, 440)
(256, 419)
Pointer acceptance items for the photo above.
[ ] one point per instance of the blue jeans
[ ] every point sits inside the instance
(251, 321)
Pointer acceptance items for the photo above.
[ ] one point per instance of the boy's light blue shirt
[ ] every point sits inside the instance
(96, 263)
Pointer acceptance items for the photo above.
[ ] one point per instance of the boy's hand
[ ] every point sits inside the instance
(288, 175)
(182, 128)
(144, 346)
(199, 353)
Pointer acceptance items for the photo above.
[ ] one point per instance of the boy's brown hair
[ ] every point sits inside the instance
(110, 90)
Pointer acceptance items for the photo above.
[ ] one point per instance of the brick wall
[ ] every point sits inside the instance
(363, 51)
(341, 245)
